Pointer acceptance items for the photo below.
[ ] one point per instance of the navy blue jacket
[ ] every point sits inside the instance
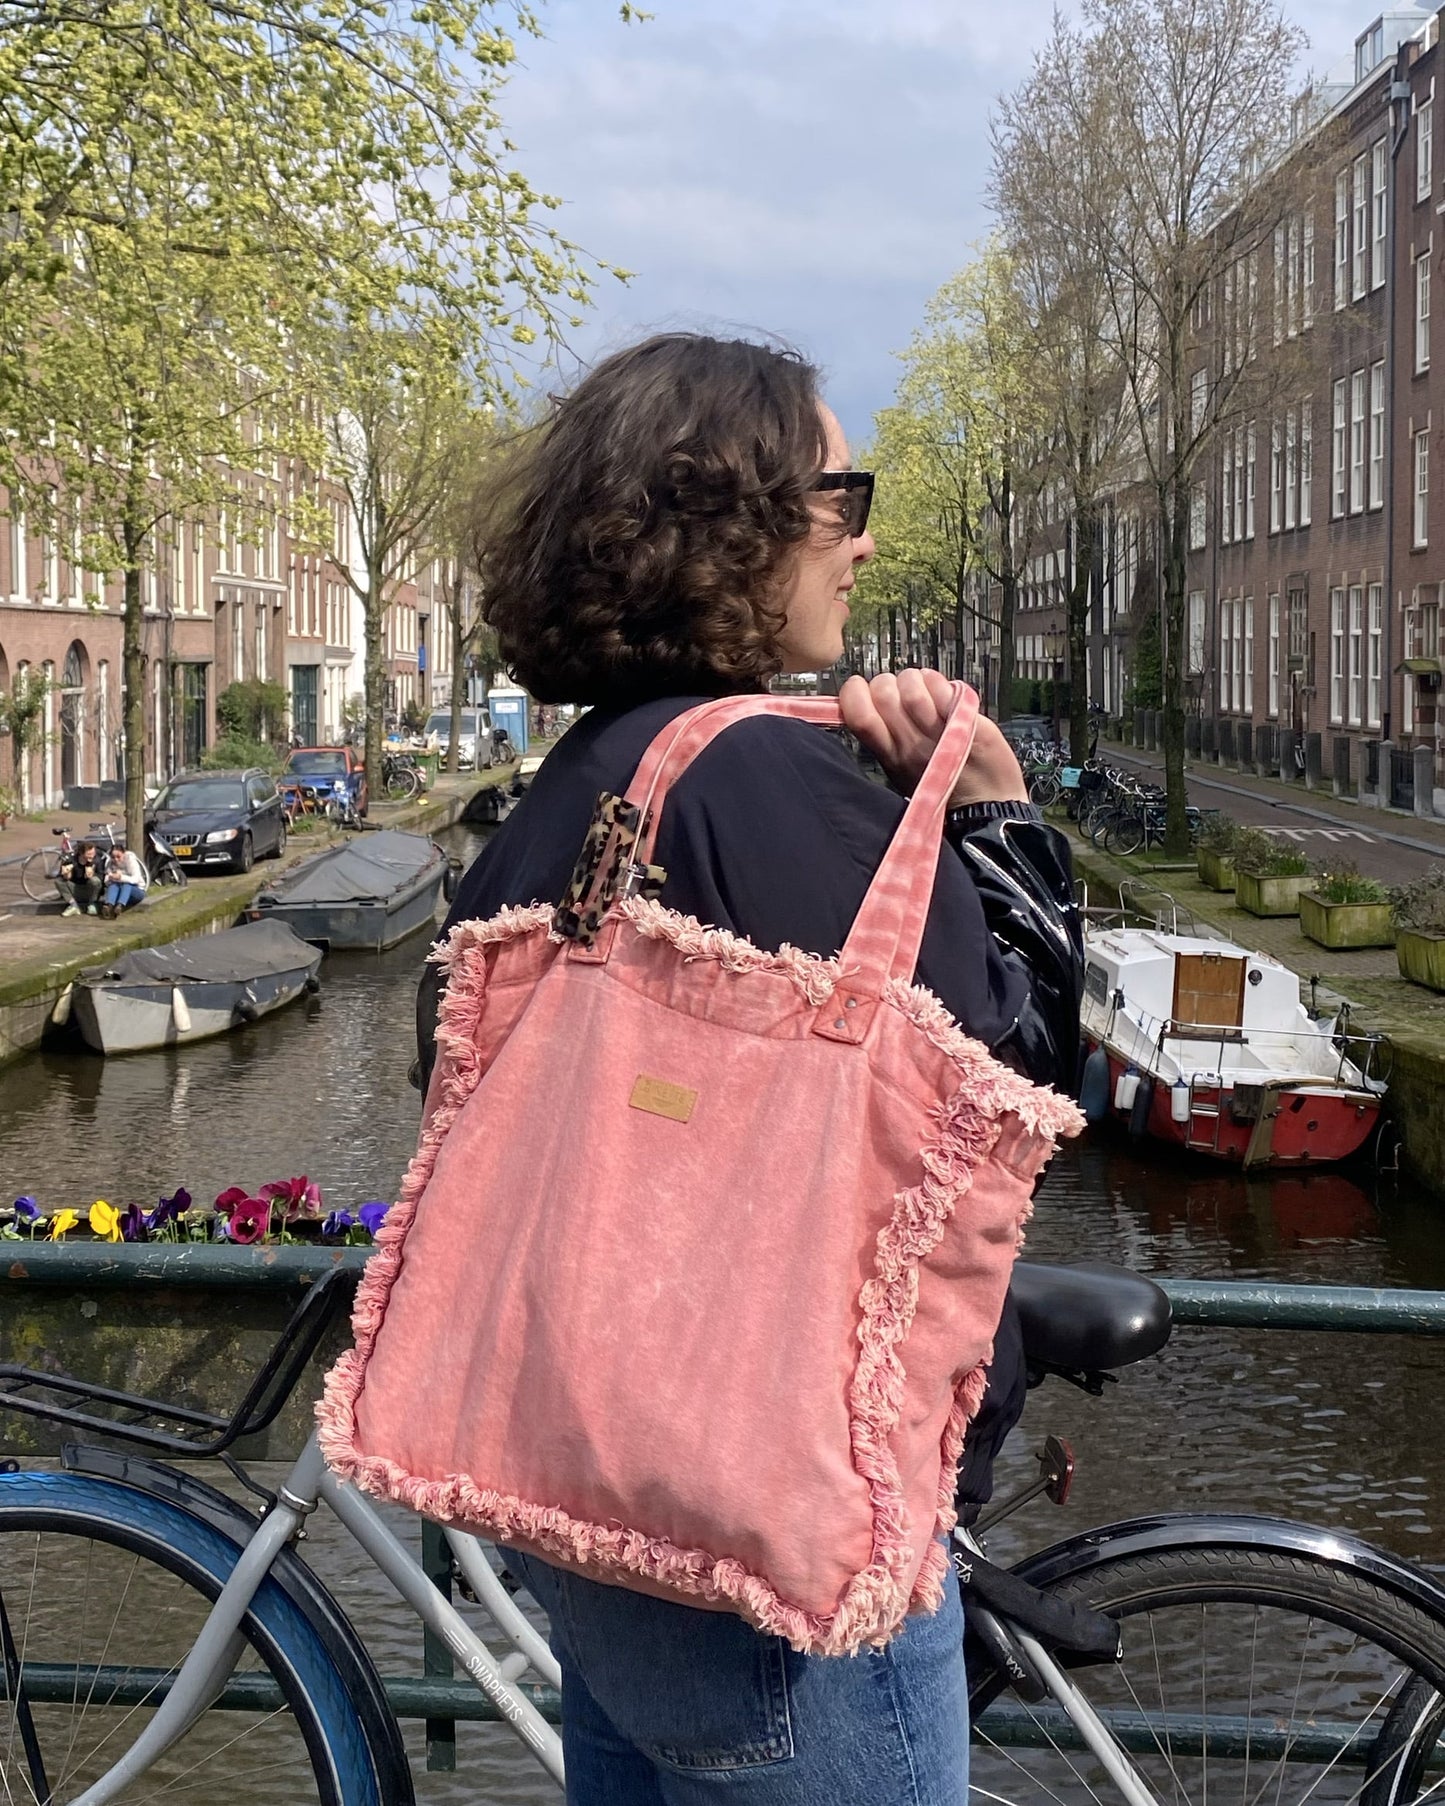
(774, 833)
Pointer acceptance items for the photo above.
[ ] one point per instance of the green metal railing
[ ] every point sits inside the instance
(442, 1700)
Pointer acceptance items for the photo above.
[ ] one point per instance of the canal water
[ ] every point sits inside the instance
(1335, 1429)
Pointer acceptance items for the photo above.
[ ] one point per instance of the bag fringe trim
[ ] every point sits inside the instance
(967, 1125)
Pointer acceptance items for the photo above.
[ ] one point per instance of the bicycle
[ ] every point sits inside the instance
(39, 871)
(400, 779)
(1323, 1662)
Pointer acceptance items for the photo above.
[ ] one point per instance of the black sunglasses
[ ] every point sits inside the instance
(857, 487)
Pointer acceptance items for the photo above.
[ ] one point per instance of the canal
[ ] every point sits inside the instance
(1335, 1429)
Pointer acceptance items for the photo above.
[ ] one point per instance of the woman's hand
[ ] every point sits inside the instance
(899, 720)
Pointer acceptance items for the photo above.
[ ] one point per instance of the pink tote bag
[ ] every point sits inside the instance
(693, 1280)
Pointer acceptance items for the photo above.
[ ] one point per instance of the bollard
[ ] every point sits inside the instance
(1264, 739)
(1284, 755)
(1425, 780)
(1151, 730)
(1370, 773)
(1209, 738)
(1193, 736)
(1244, 744)
(1226, 741)
(1314, 761)
(1340, 765)
(1138, 735)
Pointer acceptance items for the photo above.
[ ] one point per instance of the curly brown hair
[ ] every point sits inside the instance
(638, 541)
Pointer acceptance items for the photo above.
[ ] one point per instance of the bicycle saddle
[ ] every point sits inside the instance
(1090, 1316)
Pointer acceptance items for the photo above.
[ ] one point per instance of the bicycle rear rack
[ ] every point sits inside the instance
(27, 1390)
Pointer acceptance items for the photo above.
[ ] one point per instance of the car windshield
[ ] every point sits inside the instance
(442, 724)
(203, 793)
(316, 764)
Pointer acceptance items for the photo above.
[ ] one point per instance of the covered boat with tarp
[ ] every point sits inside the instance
(187, 990)
(368, 894)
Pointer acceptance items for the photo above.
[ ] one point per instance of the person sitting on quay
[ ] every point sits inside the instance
(125, 882)
(79, 880)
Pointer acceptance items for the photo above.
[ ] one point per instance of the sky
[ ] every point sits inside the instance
(811, 169)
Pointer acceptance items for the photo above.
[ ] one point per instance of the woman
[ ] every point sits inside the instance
(687, 525)
(126, 879)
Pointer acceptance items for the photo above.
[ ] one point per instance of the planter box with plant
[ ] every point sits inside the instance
(1418, 911)
(1268, 876)
(1343, 909)
(1214, 851)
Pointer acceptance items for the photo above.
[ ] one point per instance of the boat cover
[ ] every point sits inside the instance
(362, 871)
(255, 950)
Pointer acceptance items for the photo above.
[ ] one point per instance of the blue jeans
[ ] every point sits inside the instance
(123, 895)
(664, 1705)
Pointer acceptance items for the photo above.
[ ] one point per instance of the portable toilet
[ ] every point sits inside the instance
(511, 711)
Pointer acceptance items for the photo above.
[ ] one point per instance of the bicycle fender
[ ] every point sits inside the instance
(307, 1592)
(1174, 1530)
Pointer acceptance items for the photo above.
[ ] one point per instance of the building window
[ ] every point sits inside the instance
(1198, 402)
(1293, 281)
(1377, 434)
(1307, 271)
(1306, 460)
(1291, 467)
(1197, 506)
(1380, 213)
(1276, 476)
(1421, 524)
(1225, 610)
(1360, 220)
(1357, 441)
(1337, 655)
(1226, 494)
(1279, 283)
(1355, 651)
(1273, 666)
(1424, 148)
(1422, 311)
(1249, 483)
(1337, 452)
(17, 554)
(1196, 632)
(1239, 482)
(1249, 655)
(1236, 668)
(1342, 238)
(1372, 654)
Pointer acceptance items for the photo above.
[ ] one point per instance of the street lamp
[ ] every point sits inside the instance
(1054, 653)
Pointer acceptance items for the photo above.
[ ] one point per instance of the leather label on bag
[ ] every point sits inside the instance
(659, 1098)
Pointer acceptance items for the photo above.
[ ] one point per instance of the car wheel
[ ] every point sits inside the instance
(246, 858)
(280, 846)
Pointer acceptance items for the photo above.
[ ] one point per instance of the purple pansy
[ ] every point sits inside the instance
(26, 1210)
(168, 1209)
(337, 1223)
(132, 1224)
(373, 1215)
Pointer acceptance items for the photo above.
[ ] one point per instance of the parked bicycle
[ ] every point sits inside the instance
(1165, 1661)
(40, 870)
(401, 780)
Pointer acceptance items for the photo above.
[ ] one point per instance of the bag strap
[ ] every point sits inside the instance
(886, 934)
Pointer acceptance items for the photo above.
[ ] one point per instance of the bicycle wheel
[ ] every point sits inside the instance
(402, 784)
(1125, 835)
(1248, 1676)
(170, 872)
(38, 873)
(104, 1590)
(1044, 790)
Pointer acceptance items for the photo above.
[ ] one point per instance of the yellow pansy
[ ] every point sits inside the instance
(61, 1222)
(105, 1220)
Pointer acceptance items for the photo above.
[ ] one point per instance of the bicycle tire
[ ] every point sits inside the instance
(1124, 835)
(67, 1542)
(1044, 790)
(170, 872)
(402, 785)
(38, 872)
(1364, 1648)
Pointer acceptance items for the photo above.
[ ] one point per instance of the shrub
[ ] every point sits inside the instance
(1420, 904)
(253, 710)
(1259, 856)
(1219, 833)
(1341, 881)
(232, 752)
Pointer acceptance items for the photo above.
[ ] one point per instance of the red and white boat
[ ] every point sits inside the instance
(1207, 1045)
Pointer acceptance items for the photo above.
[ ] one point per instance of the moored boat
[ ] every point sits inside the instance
(367, 894)
(1205, 1044)
(187, 990)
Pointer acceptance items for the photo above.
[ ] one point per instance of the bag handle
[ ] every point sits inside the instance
(888, 930)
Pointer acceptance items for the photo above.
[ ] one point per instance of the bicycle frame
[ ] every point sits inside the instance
(213, 1656)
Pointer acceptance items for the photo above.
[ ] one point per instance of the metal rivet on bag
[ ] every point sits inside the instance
(840, 1023)
(851, 1004)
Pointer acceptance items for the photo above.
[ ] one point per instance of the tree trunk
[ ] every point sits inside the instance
(133, 674)
(1175, 660)
(1086, 542)
(892, 637)
(1004, 707)
(375, 614)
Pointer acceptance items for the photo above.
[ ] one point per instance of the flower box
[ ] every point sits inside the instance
(1270, 896)
(1345, 924)
(1421, 957)
(1216, 869)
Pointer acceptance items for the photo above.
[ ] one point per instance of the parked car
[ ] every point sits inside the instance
(220, 818)
(474, 741)
(311, 772)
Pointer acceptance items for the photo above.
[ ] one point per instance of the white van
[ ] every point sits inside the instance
(474, 741)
